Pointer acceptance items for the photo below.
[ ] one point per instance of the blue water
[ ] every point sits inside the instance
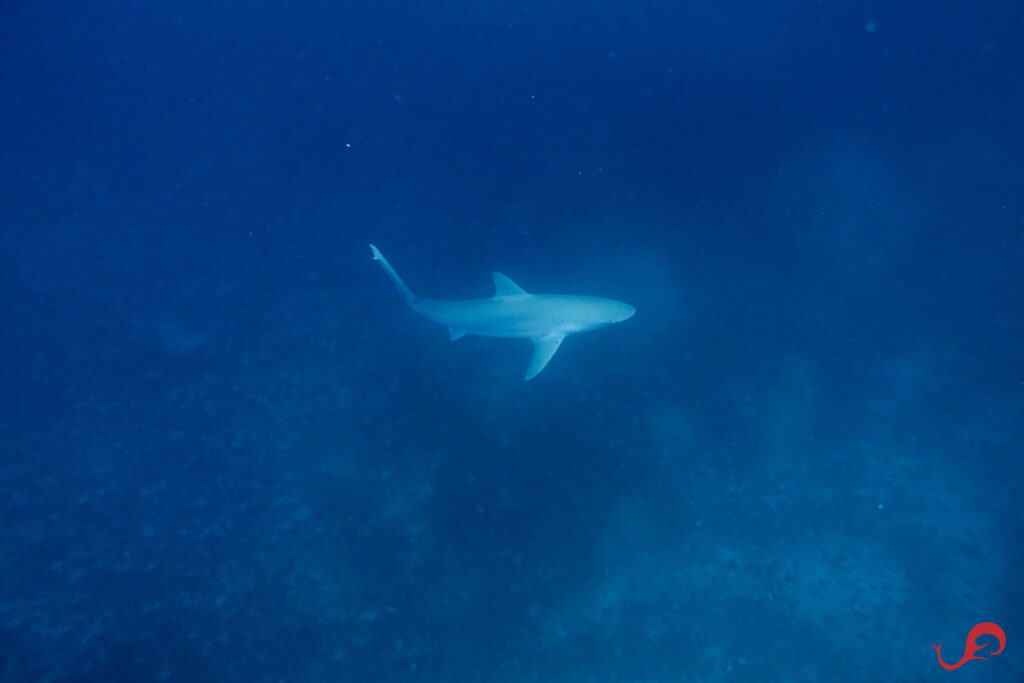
(230, 452)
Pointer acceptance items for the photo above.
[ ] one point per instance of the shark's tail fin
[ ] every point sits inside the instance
(409, 297)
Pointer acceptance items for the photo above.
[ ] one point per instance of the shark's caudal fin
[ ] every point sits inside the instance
(406, 294)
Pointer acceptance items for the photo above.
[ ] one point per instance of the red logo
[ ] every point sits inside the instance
(985, 628)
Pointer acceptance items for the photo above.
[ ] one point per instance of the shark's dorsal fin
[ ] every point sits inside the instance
(543, 350)
(503, 286)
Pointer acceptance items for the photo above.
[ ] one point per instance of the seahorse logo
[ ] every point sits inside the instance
(985, 628)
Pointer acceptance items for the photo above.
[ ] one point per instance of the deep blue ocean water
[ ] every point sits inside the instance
(230, 452)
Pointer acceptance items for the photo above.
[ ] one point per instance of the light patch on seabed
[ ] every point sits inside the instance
(842, 579)
(673, 433)
(171, 333)
(857, 207)
(846, 571)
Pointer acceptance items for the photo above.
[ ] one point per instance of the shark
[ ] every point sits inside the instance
(545, 319)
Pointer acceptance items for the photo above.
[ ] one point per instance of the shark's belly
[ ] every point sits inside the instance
(488, 317)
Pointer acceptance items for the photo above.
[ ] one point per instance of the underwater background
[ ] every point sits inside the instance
(230, 452)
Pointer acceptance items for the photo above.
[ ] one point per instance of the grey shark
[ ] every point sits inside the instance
(546, 319)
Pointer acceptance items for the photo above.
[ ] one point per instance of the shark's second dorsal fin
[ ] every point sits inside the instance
(503, 286)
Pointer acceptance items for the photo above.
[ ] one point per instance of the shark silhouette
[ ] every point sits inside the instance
(546, 319)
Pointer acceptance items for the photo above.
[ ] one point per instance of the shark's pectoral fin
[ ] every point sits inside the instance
(543, 350)
(456, 334)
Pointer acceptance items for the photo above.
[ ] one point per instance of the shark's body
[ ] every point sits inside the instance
(546, 319)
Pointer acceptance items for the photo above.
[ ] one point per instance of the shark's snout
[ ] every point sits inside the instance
(624, 312)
